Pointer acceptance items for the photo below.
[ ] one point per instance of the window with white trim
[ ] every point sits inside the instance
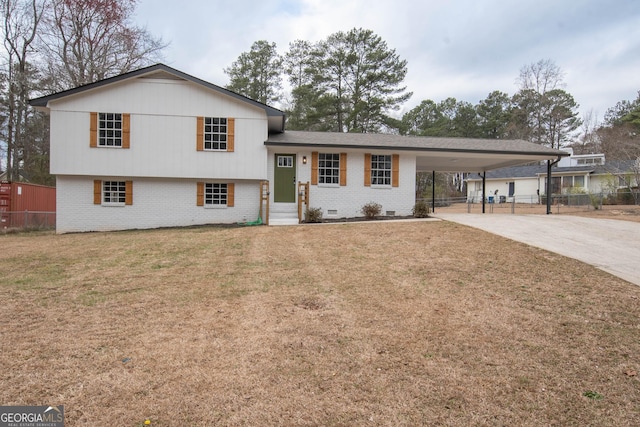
(380, 169)
(114, 192)
(285, 161)
(215, 133)
(329, 168)
(590, 161)
(215, 194)
(109, 129)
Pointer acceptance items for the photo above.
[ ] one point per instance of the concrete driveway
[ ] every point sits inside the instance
(610, 245)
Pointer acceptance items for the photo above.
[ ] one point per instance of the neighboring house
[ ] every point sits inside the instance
(157, 147)
(576, 174)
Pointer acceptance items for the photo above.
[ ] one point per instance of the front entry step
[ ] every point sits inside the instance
(283, 221)
(283, 214)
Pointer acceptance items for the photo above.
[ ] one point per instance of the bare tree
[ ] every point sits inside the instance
(541, 77)
(620, 134)
(21, 20)
(90, 40)
(542, 111)
(620, 141)
(589, 142)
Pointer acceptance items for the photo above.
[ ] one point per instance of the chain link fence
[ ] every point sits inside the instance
(27, 220)
(523, 204)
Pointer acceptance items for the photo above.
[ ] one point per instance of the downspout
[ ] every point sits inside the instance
(433, 191)
(484, 188)
(550, 164)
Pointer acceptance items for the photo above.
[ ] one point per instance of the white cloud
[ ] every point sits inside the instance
(458, 48)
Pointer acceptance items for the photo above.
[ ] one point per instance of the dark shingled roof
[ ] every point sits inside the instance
(409, 143)
(432, 154)
(532, 171)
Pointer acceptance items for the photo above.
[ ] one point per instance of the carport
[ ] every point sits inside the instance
(482, 155)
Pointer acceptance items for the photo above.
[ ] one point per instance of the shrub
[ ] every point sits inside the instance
(596, 200)
(371, 210)
(313, 215)
(421, 209)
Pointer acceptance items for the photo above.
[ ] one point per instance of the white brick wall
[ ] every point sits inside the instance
(156, 203)
(172, 202)
(348, 200)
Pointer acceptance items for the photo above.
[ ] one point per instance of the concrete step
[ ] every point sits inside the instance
(283, 221)
(283, 214)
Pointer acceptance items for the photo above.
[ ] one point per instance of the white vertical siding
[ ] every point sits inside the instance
(163, 133)
(159, 97)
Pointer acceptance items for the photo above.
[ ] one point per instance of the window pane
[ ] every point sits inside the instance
(329, 168)
(215, 130)
(109, 130)
(113, 191)
(380, 169)
(215, 194)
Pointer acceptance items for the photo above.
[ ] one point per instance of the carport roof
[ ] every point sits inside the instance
(433, 153)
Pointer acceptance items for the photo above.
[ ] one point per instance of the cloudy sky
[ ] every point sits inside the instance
(455, 48)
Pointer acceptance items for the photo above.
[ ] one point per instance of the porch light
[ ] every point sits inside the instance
(304, 160)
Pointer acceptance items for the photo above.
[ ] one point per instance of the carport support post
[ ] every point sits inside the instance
(549, 166)
(484, 188)
(433, 191)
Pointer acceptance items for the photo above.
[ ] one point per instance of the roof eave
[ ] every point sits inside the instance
(43, 102)
(544, 155)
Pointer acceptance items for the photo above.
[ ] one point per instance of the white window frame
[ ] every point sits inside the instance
(216, 137)
(383, 173)
(110, 130)
(590, 161)
(114, 193)
(216, 195)
(329, 169)
(285, 161)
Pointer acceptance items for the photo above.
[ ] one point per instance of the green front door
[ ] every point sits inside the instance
(284, 187)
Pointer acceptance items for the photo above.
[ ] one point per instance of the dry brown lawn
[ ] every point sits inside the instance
(367, 324)
(621, 212)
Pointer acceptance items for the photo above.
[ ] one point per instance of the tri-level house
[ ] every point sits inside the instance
(157, 147)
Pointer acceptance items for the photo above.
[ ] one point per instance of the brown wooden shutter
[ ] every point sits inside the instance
(126, 130)
(367, 169)
(200, 135)
(93, 130)
(343, 169)
(97, 192)
(395, 170)
(200, 194)
(314, 168)
(231, 192)
(231, 134)
(128, 192)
